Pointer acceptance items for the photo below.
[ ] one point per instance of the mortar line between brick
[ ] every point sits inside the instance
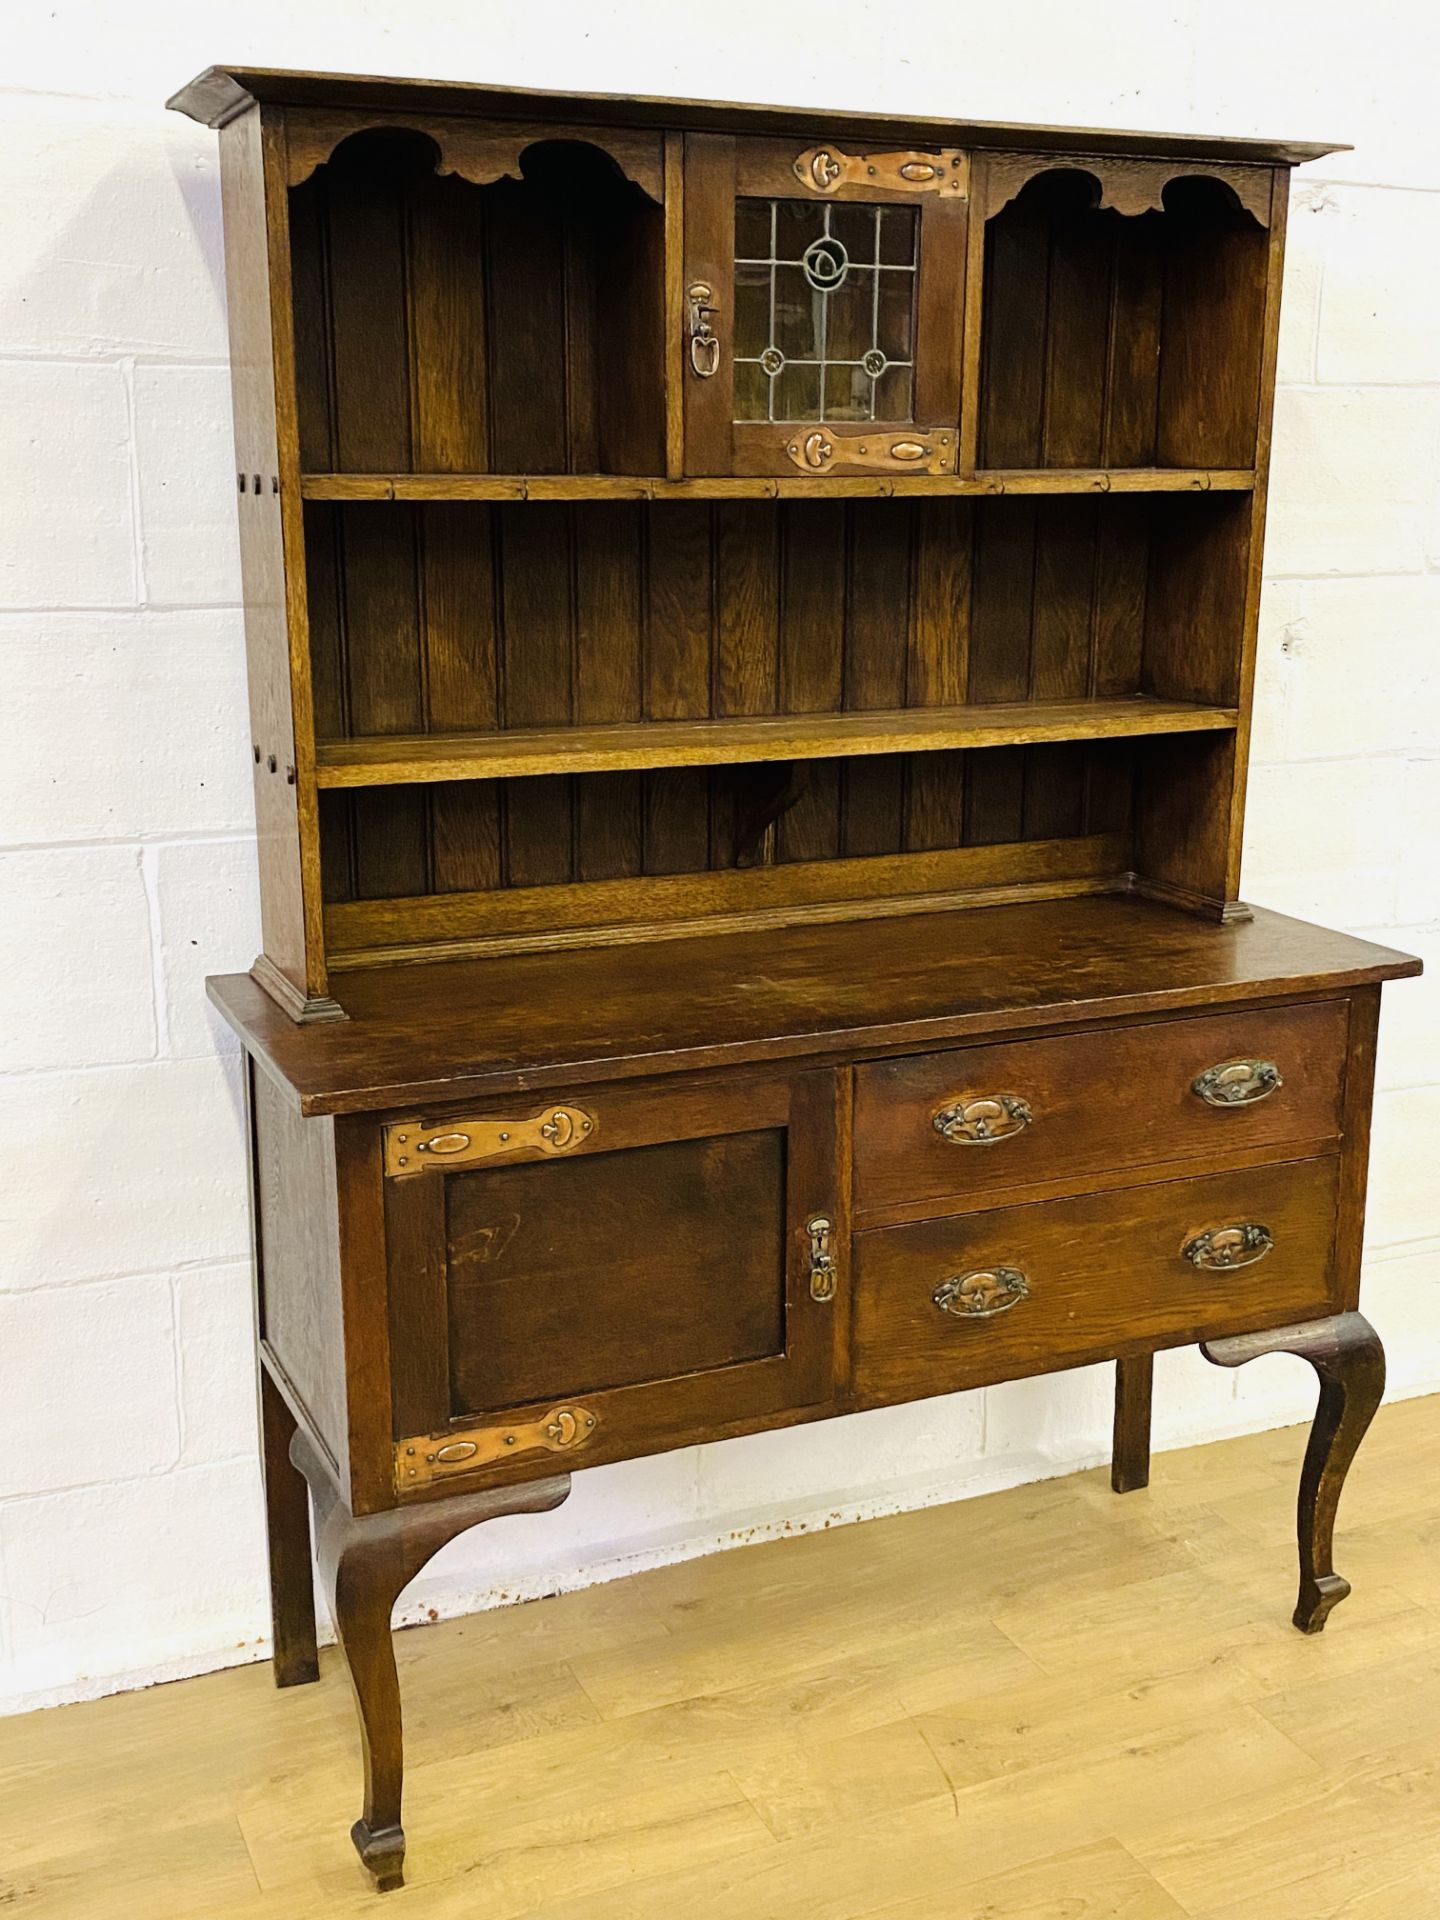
(10, 1501)
(177, 1270)
(148, 357)
(217, 836)
(132, 463)
(159, 996)
(133, 609)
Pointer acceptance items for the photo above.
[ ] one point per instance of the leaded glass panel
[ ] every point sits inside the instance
(824, 310)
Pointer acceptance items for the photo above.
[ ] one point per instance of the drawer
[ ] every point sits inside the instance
(980, 1297)
(954, 1127)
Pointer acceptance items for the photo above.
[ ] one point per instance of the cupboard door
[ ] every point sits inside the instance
(610, 1273)
(824, 305)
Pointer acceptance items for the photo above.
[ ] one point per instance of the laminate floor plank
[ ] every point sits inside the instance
(1093, 1883)
(1046, 1704)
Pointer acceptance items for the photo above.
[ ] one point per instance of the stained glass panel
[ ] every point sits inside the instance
(824, 310)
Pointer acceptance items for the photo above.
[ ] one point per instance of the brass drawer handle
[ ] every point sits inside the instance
(984, 1120)
(411, 1148)
(983, 1293)
(1219, 1249)
(1237, 1083)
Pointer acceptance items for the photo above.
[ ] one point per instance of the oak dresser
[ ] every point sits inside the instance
(751, 623)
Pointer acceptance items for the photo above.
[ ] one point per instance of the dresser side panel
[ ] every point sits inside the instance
(298, 1264)
(284, 800)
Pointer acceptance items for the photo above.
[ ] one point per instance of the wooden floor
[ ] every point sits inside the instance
(1051, 1703)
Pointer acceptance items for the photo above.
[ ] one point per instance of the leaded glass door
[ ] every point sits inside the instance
(824, 308)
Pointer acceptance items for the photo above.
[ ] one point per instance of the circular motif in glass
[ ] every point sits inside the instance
(874, 363)
(826, 263)
(772, 360)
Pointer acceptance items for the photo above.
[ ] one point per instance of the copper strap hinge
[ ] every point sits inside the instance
(829, 170)
(424, 1460)
(871, 450)
(413, 1148)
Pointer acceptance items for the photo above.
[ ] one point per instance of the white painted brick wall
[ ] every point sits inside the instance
(129, 1515)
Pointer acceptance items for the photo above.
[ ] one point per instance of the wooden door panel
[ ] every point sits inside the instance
(709, 262)
(647, 1282)
(616, 1269)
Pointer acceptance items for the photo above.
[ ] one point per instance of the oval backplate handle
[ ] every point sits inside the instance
(1237, 1083)
(983, 1119)
(982, 1293)
(1221, 1249)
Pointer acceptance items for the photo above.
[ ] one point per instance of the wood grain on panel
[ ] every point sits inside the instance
(1117, 334)
(297, 1241)
(1048, 1291)
(754, 993)
(279, 683)
(1095, 1101)
(615, 1269)
(449, 327)
(690, 901)
(709, 261)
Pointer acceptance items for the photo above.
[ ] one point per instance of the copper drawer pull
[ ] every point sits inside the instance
(1237, 1083)
(1219, 1249)
(983, 1293)
(984, 1120)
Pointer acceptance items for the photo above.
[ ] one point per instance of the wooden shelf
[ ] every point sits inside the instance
(607, 486)
(404, 759)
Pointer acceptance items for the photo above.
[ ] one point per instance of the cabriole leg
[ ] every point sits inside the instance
(1130, 1456)
(364, 1564)
(287, 1525)
(1346, 1353)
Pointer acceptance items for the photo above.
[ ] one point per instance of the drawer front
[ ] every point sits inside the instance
(958, 1126)
(981, 1297)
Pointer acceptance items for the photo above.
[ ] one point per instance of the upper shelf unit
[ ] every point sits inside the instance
(655, 515)
(503, 310)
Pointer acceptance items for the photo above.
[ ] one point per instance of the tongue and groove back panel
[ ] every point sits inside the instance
(1101, 329)
(459, 617)
(446, 327)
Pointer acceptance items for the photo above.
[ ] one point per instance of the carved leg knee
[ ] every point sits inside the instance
(365, 1562)
(1130, 1458)
(1347, 1355)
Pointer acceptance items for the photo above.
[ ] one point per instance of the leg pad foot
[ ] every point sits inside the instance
(382, 1854)
(297, 1671)
(1318, 1600)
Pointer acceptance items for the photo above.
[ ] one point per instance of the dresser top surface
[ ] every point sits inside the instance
(220, 93)
(420, 1035)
